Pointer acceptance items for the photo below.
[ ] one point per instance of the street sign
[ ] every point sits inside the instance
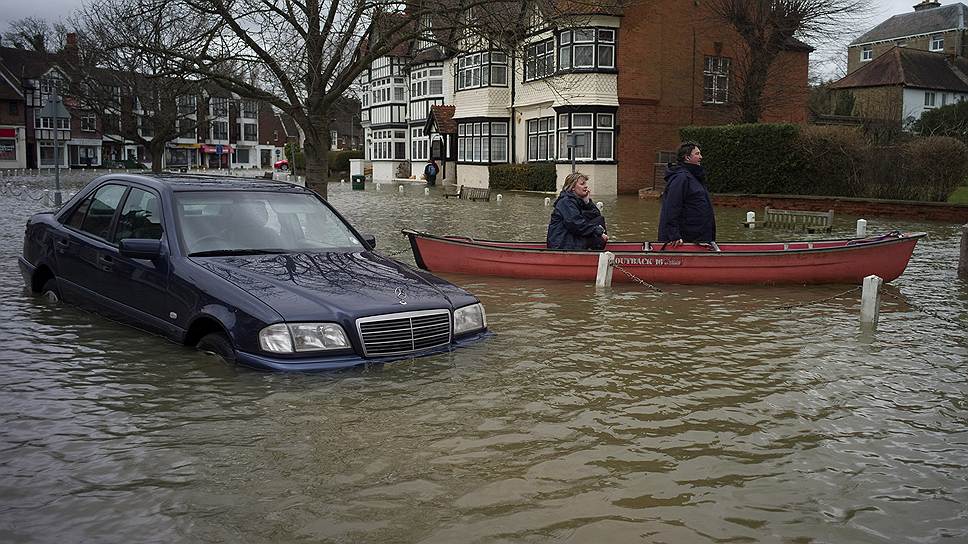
(54, 108)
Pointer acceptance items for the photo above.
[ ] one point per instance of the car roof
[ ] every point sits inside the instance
(175, 181)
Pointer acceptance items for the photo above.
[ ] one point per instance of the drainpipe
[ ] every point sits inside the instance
(513, 120)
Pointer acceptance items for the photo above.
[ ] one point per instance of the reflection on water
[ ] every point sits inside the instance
(701, 414)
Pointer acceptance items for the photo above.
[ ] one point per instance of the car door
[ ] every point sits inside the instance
(82, 250)
(140, 286)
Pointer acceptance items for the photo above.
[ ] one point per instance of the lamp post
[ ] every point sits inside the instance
(54, 108)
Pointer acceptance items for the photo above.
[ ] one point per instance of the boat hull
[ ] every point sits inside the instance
(800, 262)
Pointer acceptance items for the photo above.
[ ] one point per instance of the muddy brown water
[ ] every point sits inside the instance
(703, 414)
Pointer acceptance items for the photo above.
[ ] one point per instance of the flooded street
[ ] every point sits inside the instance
(700, 414)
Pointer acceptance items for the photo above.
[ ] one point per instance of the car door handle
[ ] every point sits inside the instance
(61, 245)
(106, 262)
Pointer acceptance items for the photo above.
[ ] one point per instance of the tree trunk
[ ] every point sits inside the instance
(316, 157)
(157, 149)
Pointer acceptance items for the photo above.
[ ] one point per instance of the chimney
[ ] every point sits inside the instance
(70, 46)
(927, 4)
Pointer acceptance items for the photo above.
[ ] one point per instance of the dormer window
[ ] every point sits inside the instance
(866, 53)
(937, 43)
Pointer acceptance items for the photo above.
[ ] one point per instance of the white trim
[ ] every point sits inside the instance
(895, 38)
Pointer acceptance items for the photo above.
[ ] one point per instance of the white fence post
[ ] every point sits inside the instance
(963, 261)
(751, 220)
(547, 201)
(861, 228)
(870, 301)
(605, 261)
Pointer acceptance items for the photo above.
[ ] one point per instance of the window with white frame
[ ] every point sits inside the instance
(389, 144)
(426, 82)
(716, 80)
(937, 43)
(250, 109)
(541, 137)
(929, 99)
(485, 69)
(186, 105)
(88, 122)
(220, 130)
(866, 53)
(388, 89)
(594, 132)
(484, 141)
(539, 60)
(63, 123)
(220, 106)
(586, 49)
(419, 144)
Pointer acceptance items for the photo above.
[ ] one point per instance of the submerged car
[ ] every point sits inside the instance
(265, 274)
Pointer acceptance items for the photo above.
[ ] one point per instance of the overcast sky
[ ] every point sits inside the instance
(53, 10)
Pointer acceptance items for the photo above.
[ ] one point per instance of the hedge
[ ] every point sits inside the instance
(754, 158)
(339, 161)
(827, 161)
(523, 177)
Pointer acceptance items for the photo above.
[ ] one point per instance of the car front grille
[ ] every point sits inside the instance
(406, 332)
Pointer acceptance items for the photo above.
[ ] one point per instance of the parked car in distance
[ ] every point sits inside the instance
(262, 273)
(281, 165)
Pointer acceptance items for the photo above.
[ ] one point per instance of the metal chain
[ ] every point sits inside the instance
(916, 306)
(637, 279)
(819, 301)
(395, 253)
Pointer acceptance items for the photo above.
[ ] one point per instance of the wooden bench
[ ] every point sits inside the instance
(797, 220)
(471, 193)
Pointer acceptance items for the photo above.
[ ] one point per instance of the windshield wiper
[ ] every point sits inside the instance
(218, 252)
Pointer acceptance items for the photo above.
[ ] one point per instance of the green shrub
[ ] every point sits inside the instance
(523, 177)
(833, 161)
(295, 156)
(339, 161)
(950, 120)
(928, 169)
(753, 158)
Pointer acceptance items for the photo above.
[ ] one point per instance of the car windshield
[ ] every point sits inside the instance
(236, 223)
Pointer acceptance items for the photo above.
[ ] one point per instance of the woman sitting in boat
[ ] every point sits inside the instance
(576, 223)
(687, 209)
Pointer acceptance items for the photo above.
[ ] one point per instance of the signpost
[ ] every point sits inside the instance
(56, 110)
(218, 155)
(575, 141)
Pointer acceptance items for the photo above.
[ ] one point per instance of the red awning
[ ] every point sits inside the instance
(8, 133)
(208, 148)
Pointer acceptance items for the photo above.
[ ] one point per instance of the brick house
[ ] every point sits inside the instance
(930, 27)
(623, 81)
(906, 65)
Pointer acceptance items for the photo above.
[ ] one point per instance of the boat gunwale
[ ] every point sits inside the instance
(465, 241)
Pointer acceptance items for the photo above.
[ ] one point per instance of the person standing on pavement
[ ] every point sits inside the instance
(687, 208)
(430, 173)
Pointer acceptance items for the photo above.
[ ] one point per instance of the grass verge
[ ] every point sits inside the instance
(960, 196)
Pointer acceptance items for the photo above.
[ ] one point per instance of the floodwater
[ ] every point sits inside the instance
(701, 414)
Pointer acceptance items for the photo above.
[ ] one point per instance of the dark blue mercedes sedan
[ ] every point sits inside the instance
(265, 274)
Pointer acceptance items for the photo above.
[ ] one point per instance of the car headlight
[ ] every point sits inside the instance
(298, 337)
(469, 318)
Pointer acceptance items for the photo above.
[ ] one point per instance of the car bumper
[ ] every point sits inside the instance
(264, 362)
(27, 271)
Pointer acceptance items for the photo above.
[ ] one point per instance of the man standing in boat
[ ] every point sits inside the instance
(687, 209)
(576, 223)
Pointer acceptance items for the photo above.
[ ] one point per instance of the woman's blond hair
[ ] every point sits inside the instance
(572, 179)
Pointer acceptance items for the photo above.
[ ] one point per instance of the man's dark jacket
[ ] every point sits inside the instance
(687, 209)
(575, 224)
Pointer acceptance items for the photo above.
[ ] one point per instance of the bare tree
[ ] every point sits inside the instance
(768, 27)
(138, 96)
(302, 56)
(36, 34)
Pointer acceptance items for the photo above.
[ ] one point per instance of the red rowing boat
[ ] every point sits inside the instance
(798, 262)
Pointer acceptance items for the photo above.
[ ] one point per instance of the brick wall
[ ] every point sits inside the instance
(661, 53)
(902, 209)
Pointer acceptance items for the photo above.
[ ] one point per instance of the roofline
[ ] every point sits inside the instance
(855, 44)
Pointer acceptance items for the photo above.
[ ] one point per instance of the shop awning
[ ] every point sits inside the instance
(8, 133)
(224, 149)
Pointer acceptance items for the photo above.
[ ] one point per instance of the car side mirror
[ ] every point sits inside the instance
(370, 240)
(140, 248)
